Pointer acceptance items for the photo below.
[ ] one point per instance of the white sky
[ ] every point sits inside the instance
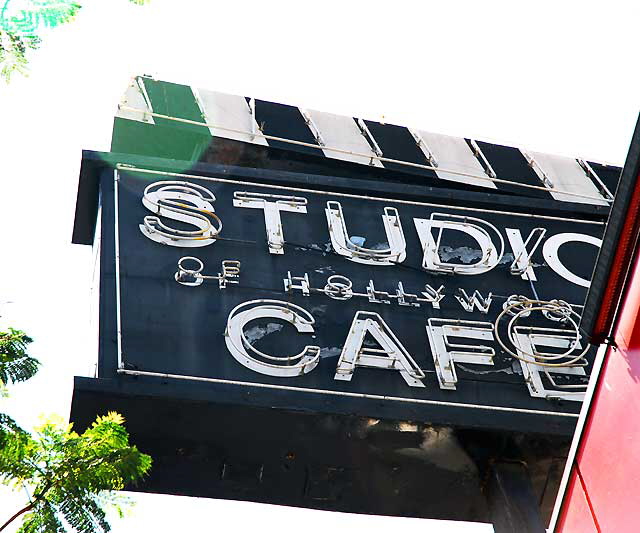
(555, 76)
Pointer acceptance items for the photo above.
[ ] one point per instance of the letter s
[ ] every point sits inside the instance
(185, 202)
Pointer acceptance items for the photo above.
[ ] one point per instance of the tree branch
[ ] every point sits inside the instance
(21, 511)
(28, 507)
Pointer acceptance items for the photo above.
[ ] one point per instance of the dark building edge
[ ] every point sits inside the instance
(618, 244)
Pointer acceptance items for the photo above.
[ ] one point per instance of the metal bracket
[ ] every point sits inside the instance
(254, 123)
(546, 180)
(315, 131)
(602, 188)
(424, 147)
(483, 160)
(367, 135)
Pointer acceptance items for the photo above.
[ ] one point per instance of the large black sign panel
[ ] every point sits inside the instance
(357, 299)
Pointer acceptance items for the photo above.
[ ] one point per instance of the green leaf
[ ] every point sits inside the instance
(15, 447)
(15, 364)
(13, 53)
(47, 13)
(70, 475)
(42, 519)
(18, 30)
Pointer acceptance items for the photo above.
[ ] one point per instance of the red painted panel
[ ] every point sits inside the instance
(605, 479)
(609, 458)
(609, 454)
(577, 517)
(627, 334)
(634, 304)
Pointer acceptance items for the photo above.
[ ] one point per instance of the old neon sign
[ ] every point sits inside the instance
(543, 352)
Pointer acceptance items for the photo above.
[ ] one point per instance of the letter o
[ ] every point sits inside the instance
(550, 253)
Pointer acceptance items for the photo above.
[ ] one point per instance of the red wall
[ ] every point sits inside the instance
(604, 489)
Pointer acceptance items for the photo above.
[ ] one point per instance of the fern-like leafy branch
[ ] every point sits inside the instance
(15, 363)
(47, 13)
(70, 474)
(19, 27)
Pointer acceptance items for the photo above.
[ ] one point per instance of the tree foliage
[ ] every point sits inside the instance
(47, 13)
(69, 475)
(67, 472)
(19, 27)
(13, 53)
(15, 364)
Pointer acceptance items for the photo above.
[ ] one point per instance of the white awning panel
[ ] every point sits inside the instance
(564, 174)
(453, 153)
(228, 111)
(135, 98)
(342, 133)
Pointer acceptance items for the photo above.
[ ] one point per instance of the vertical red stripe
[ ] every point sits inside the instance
(619, 267)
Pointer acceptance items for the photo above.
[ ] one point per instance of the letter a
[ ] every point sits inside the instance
(392, 354)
